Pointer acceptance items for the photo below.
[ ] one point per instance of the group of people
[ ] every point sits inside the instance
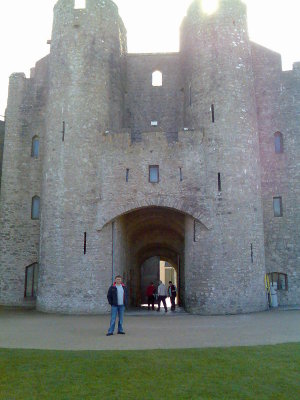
(117, 297)
(161, 293)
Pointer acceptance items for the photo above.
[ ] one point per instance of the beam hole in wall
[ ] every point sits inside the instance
(157, 78)
(79, 4)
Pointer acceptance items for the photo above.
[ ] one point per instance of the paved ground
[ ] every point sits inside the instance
(146, 330)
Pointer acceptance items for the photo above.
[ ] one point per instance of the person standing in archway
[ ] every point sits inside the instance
(172, 294)
(162, 295)
(150, 294)
(118, 298)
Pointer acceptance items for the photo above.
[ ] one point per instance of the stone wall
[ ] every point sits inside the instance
(2, 130)
(146, 103)
(91, 105)
(278, 111)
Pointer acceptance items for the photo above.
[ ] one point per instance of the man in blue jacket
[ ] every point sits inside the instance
(118, 298)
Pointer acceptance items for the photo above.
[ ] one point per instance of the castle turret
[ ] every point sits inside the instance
(85, 99)
(219, 97)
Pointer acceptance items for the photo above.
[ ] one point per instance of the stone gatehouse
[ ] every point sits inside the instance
(113, 159)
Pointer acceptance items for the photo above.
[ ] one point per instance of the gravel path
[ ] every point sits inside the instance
(146, 330)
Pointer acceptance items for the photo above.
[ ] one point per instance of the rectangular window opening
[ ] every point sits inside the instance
(194, 230)
(180, 174)
(251, 253)
(280, 279)
(219, 183)
(84, 243)
(190, 95)
(277, 206)
(212, 109)
(153, 173)
(127, 174)
(63, 131)
(154, 123)
(31, 279)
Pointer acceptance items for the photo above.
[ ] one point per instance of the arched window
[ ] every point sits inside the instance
(35, 208)
(278, 142)
(35, 147)
(31, 279)
(157, 78)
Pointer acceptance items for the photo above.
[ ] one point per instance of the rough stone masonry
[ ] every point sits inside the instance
(105, 167)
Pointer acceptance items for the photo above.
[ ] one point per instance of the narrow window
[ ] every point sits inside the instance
(251, 249)
(219, 182)
(31, 279)
(154, 173)
(35, 147)
(190, 95)
(79, 4)
(212, 109)
(194, 230)
(157, 78)
(127, 174)
(84, 243)
(180, 175)
(63, 130)
(35, 208)
(277, 206)
(278, 141)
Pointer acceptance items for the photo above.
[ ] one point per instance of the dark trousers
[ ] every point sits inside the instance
(172, 298)
(151, 301)
(163, 299)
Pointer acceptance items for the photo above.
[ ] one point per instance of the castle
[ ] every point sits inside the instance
(113, 159)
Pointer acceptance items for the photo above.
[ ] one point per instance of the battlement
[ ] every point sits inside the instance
(85, 6)
(125, 140)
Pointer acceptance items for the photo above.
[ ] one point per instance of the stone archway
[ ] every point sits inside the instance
(145, 233)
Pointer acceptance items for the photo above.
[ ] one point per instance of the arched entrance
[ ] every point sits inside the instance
(144, 237)
(157, 269)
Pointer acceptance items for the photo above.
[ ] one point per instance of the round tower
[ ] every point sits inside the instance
(85, 100)
(220, 101)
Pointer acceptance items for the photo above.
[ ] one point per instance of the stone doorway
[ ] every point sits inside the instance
(144, 238)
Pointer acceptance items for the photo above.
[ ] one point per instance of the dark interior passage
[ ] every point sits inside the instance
(149, 235)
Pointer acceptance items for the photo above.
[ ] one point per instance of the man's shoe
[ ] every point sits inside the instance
(121, 333)
(109, 334)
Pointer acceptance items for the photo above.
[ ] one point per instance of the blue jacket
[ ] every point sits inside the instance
(112, 295)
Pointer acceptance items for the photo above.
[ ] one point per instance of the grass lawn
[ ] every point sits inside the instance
(263, 372)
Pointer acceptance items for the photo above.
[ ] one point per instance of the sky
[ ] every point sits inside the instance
(26, 26)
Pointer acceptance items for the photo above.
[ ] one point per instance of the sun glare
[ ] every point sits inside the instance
(210, 6)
